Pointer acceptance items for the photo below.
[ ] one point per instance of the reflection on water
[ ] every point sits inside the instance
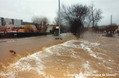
(72, 59)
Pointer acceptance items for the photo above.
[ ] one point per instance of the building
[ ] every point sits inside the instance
(10, 22)
(51, 28)
(17, 25)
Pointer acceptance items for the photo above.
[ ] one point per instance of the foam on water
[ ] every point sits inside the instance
(93, 44)
(88, 68)
(87, 46)
(8, 75)
(24, 64)
(83, 45)
(70, 44)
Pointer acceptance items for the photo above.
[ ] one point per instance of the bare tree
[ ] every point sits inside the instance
(44, 24)
(94, 16)
(45, 21)
(75, 15)
(37, 21)
(56, 21)
(40, 23)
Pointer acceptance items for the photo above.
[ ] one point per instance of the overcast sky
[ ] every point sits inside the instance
(26, 9)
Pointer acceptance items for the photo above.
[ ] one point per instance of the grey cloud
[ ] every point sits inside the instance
(26, 9)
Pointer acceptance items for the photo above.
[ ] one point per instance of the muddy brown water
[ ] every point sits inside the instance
(81, 58)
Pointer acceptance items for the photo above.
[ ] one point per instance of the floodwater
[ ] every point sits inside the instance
(71, 59)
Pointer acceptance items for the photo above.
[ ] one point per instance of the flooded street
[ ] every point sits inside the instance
(72, 59)
(59, 39)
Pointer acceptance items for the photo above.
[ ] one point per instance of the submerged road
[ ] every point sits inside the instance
(81, 58)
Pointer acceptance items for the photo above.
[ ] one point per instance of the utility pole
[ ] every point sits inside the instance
(111, 20)
(59, 19)
(92, 14)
